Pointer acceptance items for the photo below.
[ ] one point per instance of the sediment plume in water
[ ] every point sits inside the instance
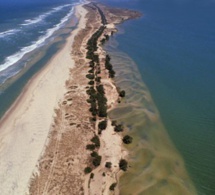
(156, 167)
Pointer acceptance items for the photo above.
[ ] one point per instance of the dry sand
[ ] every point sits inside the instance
(44, 135)
(61, 168)
(24, 130)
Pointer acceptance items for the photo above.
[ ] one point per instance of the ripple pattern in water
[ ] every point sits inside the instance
(156, 167)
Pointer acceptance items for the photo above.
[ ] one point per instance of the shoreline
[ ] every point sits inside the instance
(55, 134)
(63, 164)
(18, 120)
(27, 74)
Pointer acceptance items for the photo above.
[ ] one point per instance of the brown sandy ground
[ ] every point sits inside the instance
(61, 167)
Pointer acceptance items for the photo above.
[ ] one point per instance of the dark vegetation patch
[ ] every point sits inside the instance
(127, 139)
(108, 165)
(96, 141)
(112, 187)
(87, 170)
(123, 164)
(97, 161)
(90, 147)
(102, 125)
(118, 128)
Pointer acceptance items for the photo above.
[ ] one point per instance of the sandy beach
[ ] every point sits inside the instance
(24, 129)
(44, 135)
(58, 138)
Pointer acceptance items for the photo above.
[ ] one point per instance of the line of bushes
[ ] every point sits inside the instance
(92, 44)
(106, 38)
(109, 67)
(103, 18)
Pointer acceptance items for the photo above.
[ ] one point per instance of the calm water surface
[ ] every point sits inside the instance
(173, 45)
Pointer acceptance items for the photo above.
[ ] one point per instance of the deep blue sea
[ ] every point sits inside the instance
(173, 45)
(31, 32)
(26, 26)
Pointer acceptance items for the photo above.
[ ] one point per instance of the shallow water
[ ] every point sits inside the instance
(27, 28)
(156, 166)
(173, 46)
(12, 88)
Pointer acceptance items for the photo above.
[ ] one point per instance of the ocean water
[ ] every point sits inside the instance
(173, 47)
(168, 76)
(30, 33)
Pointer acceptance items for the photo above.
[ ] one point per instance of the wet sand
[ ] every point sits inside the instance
(44, 135)
(61, 167)
(25, 127)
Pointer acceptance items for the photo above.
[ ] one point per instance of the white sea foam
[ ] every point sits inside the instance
(10, 60)
(33, 21)
(43, 16)
(8, 32)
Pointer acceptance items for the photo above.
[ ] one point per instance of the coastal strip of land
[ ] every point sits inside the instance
(85, 150)
(57, 137)
(25, 128)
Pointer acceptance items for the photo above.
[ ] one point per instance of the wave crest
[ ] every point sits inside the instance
(10, 60)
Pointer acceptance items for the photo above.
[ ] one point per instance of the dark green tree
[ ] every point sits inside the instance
(87, 170)
(127, 139)
(123, 164)
(102, 125)
(112, 187)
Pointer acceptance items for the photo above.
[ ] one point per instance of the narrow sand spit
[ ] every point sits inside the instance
(44, 135)
(23, 132)
(61, 167)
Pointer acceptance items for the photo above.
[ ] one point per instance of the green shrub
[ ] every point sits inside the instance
(102, 100)
(108, 165)
(111, 73)
(94, 154)
(93, 96)
(94, 113)
(102, 125)
(114, 123)
(93, 108)
(91, 64)
(87, 170)
(102, 112)
(90, 147)
(123, 164)
(97, 161)
(91, 175)
(100, 89)
(107, 58)
(107, 37)
(90, 76)
(89, 101)
(112, 187)
(96, 141)
(127, 139)
(118, 128)
(91, 91)
(91, 82)
(91, 70)
(122, 93)
(98, 79)
(93, 119)
(102, 41)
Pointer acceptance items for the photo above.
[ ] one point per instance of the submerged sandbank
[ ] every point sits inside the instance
(156, 165)
(48, 129)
